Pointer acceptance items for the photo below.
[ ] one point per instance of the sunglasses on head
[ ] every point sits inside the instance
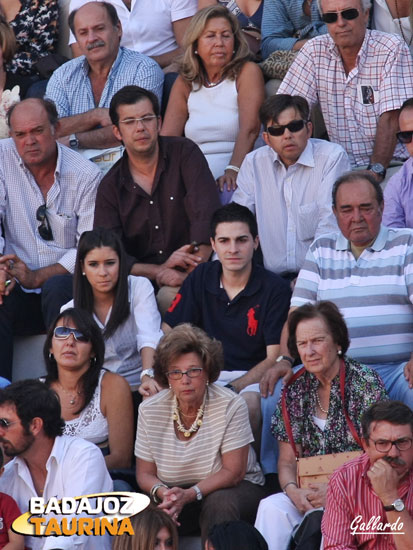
(332, 16)
(63, 333)
(44, 229)
(405, 137)
(293, 126)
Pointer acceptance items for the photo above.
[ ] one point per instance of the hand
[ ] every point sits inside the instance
(170, 277)
(101, 116)
(299, 498)
(174, 499)
(229, 179)
(408, 373)
(7, 282)
(19, 270)
(64, 140)
(273, 374)
(385, 480)
(183, 258)
(148, 387)
(317, 497)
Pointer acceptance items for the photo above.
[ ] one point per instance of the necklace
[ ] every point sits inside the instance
(400, 25)
(195, 424)
(72, 396)
(319, 403)
(212, 84)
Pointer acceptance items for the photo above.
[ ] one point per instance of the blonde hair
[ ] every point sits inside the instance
(192, 68)
(7, 40)
(146, 526)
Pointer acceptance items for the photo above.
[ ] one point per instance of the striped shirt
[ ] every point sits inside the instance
(384, 67)
(225, 427)
(292, 205)
(349, 495)
(70, 203)
(70, 88)
(374, 292)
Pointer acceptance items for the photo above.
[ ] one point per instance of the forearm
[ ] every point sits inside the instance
(40, 276)
(385, 143)
(167, 58)
(402, 542)
(254, 375)
(78, 123)
(147, 355)
(244, 144)
(100, 138)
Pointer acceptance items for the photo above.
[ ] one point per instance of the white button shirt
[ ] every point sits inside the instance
(75, 467)
(292, 205)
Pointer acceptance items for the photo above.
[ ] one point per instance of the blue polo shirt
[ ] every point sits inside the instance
(245, 325)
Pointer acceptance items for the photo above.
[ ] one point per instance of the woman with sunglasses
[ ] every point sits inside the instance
(123, 306)
(193, 442)
(96, 404)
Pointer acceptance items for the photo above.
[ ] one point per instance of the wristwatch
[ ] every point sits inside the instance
(397, 505)
(148, 372)
(377, 169)
(73, 142)
(199, 495)
(285, 358)
(231, 387)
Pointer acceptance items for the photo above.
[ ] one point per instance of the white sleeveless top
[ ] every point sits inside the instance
(213, 122)
(90, 424)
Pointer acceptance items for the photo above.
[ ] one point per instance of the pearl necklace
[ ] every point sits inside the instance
(195, 424)
(319, 403)
(72, 398)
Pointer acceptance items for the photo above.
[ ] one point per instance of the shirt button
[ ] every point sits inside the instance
(171, 198)
(156, 226)
(150, 202)
(161, 252)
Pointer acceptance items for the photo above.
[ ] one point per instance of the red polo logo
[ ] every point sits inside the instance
(252, 321)
(175, 302)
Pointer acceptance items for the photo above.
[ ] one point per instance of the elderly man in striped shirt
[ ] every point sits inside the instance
(370, 499)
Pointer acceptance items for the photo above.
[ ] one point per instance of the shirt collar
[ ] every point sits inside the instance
(335, 52)
(115, 65)
(213, 283)
(305, 159)
(379, 243)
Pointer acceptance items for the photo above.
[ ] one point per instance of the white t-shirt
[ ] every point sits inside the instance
(147, 27)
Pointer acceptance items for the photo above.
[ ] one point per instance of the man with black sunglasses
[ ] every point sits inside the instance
(47, 197)
(398, 194)
(360, 79)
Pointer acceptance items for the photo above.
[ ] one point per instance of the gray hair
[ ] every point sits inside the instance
(365, 5)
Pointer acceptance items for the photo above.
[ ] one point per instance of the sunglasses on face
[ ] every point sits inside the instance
(63, 333)
(405, 137)
(44, 229)
(5, 424)
(332, 16)
(293, 126)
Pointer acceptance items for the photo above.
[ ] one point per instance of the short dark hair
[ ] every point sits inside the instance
(233, 212)
(408, 104)
(84, 322)
(47, 104)
(82, 290)
(394, 412)
(274, 105)
(186, 338)
(129, 95)
(33, 399)
(111, 10)
(356, 175)
(236, 535)
(329, 313)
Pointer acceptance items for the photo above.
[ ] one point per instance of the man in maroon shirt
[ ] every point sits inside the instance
(159, 197)
(370, 499)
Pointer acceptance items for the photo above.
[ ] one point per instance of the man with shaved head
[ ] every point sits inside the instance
(47, 198)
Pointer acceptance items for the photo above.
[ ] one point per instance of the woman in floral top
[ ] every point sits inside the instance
(318, 335)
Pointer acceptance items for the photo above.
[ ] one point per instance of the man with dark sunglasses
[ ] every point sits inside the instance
(360, 79)
(47, 197)
(376, 488)
(398, 194)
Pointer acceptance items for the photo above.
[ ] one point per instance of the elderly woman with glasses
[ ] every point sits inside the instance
(193, 442)
(96, 404)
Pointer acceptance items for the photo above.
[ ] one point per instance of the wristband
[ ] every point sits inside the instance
(285, 358)
(287, 484)
(232, 167)
(152, 492)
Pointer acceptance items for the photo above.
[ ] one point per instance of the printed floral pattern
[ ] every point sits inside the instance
(363, 387)
(7, 99)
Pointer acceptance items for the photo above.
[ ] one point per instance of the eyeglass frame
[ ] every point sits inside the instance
(180, 373)
(328, 14)
(395, 442)
(145, 120)
(399, 134)
(284, 127)
(5, 424)
(77, 334)
(44, 229)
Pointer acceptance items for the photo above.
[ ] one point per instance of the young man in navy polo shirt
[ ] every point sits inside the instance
(237, 302)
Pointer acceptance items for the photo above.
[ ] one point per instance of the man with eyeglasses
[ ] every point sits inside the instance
(44, 463)
(83, 87)
(398, 194)
(159, 197)
(47, 196)
(360, 79)
(375, 489)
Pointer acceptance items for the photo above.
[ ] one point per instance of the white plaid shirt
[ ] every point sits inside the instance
(70, 89)
(384, 66)
(70, 205)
